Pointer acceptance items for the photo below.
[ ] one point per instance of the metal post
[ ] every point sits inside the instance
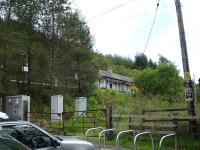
(92, 129)
(120, 133)
(175, 140)
(143, 133)
(189, 93)
(103, 132)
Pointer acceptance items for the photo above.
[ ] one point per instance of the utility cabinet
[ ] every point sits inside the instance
(17, 107)
(56, 107)
(80, 106)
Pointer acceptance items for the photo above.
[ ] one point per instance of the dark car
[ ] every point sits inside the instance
(36, 138)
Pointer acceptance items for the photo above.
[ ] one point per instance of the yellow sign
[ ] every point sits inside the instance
(187, 76)
(134, 88)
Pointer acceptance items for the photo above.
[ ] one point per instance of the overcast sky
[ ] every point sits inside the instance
(124, 30)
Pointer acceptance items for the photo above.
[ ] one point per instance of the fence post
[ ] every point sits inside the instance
(129, 122)
(50, 120)
(109, 124)
(143, 113)
(175, 122)
(109, 117)
(63, 123)
(94, 120)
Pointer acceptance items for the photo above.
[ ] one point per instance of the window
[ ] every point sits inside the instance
(111, 85)
(10, 144)
(7, 143)
(28, 135)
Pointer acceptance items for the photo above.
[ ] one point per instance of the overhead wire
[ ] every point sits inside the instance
(123, 4)
(110, 10)
(151, 29)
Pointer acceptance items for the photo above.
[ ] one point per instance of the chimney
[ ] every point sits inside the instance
(110, 69)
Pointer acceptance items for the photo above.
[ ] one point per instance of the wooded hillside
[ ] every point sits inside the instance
(49, 38)
(54, 42)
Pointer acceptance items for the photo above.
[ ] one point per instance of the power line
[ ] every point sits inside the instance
(110, 10)
(123, 4)
(151, 29)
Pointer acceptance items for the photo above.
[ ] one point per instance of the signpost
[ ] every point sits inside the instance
(189, 94)
(188, 83)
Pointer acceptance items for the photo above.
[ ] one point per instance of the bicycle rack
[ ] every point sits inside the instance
(118, 135)
(142, 133)
(92, 129)
(161, 140)
(100, 135)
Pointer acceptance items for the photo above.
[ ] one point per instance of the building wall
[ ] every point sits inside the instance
(114, 84)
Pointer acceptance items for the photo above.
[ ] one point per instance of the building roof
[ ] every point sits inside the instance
(109, 74)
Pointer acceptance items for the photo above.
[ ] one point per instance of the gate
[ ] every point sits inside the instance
(70, 123)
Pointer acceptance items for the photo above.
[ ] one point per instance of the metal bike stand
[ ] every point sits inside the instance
(120, 133)
(92, 129)
(104, 131)
(161, 140)
(142, 133)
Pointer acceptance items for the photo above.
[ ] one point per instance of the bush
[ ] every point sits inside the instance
(163, 80)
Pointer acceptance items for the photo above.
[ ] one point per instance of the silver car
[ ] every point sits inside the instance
(36, 138)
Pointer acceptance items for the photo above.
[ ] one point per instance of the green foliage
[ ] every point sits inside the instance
(75, 57)
(163, 60)
(38, 105)
(152, 64)
(120, 61)
(185, 142)
(107, 97)
(122, 70)
(92, 103)
(104, 98)
(55, 43)
(68, 103)
(164, 80)
(170, 83)
(100, 61)
(141, 61)
(120, 65)
(117, 62)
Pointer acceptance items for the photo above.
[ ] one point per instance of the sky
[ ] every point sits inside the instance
(124, 31)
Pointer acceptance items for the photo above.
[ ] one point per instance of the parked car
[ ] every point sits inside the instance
(3, 115)
(9, 143)
(36, 138)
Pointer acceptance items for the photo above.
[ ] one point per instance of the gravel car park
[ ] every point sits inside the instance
(36, 138)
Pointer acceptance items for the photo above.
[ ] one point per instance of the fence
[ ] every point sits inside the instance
(109, 125)
(77, 122)
(179, 117)
(159, 121)
(70, 123)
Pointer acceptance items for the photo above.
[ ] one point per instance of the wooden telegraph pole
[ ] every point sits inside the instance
(189, 94)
